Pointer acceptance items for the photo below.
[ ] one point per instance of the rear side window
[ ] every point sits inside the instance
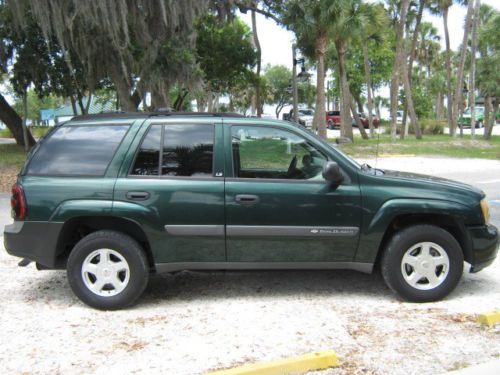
(182, 150)
(77, 151)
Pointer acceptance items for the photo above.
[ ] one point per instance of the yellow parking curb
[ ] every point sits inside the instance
(489, 319)
(296, 365)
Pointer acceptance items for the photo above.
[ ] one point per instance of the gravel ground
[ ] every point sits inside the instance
(191, 322)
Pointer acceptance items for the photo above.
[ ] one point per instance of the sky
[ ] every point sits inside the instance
(276, 42)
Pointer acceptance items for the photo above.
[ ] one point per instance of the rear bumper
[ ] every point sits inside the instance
(36, 241)
(484, 246)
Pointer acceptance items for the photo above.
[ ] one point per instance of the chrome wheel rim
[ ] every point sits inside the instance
(425, 265)
(105, 272)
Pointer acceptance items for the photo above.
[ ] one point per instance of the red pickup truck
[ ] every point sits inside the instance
(333, 120)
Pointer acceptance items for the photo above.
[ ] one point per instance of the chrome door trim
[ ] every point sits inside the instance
(195, 230)
(289, 231)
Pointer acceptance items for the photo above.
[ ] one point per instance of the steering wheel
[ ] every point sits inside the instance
(293, 166)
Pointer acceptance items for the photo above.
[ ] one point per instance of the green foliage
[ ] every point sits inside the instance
(35, 104)
(488, 73)
(422, 101)
(225, 53)
(279, 81)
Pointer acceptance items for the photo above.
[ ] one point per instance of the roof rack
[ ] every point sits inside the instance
(121, 114)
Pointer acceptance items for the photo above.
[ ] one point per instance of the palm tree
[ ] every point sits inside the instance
(488, 74)
(418, 20)
(315, 23)
(400, 68)
(442, 7)
(460, 73)
(472, 75)
(373, 31)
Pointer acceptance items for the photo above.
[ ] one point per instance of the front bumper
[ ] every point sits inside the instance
(33, 240)
(484, 246)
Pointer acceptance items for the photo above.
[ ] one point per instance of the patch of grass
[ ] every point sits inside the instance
(439, 145)
(11, 156)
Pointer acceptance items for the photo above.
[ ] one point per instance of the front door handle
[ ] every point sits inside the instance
(247, 199)
(138, 195)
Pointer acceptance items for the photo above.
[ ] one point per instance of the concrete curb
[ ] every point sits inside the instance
(295, 365)
(489, 319)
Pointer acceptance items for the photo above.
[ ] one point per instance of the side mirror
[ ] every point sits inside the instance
(332, 173)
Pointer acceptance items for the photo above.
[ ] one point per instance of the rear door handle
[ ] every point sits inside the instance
(246, 199)
(138, 195)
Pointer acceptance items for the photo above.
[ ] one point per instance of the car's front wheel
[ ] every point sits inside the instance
(422, 263)
(108, 270)
(479, 124)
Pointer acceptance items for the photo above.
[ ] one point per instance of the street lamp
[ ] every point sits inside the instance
(302, 76)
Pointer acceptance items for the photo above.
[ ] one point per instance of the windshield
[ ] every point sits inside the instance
(476, 110)
(306, 112)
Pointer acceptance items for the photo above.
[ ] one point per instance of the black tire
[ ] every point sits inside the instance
(127, 248)
(404, 240)
(479, 124)
(330, 124)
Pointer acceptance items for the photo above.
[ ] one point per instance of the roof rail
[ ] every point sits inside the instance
(122, 114)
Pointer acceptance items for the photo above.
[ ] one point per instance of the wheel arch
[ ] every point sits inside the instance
(450, 223)
(397, 214)
(78, 227)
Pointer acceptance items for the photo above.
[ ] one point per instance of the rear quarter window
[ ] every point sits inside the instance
(77, 151)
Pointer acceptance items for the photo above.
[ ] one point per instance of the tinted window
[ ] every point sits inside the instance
(77, 150)
(188, 150)
(265, 152)
(148, 157)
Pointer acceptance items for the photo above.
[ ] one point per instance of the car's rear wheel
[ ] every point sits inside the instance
(108, 270)
(479, 124)
(422, 263)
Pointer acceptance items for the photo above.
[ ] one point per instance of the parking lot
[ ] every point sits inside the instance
(193, 322)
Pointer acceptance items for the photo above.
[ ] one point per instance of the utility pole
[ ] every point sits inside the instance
(294, 84)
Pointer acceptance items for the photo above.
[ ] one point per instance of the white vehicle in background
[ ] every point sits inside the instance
(305, 117)
(399, 117)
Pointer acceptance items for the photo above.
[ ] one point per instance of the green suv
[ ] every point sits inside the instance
(114, 198)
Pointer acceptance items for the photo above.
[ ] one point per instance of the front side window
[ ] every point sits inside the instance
(266, 152)
(77, 151)
(187, 150)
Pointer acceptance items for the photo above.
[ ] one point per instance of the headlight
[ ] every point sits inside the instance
(486, 210)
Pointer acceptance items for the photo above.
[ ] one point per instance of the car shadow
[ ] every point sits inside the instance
(187, 286)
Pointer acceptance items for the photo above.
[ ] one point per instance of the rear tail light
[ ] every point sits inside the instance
(18, 202)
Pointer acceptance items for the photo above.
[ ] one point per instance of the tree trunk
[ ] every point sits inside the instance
(396, 69)
(472, 85)
(80, 103)
(14, 123)
(418, 20)
(460, 75)
(361, 127)
(320, 110)
(449, 97)
(368, 81)
(439, 106)
(259, 62)
(489, 116)
(345, 101)
(25, 120)
(401, 56)
(123, 90)
(89, 102)
(73, 105)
